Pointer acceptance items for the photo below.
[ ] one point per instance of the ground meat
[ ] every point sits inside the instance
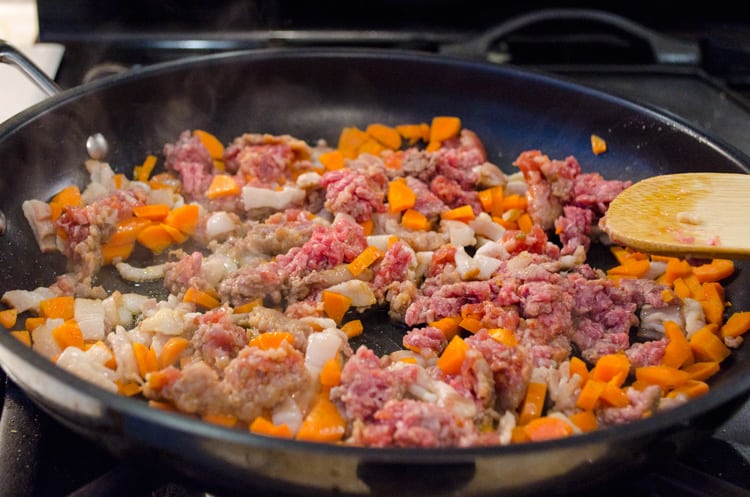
(327, 247)
(184, 274)
(355, 192)
(574, 228)
(427, 202)
(191, 160)
(263, 158)
(642, 403)
(366, 385)
(279, 233)
(394, 267)
(594, 192)
(450, 192)
(263, 320)
(194, 389)
(258, 380)
(646, 353)
(410, 423)
(457, 158)
(510, 366)
(217, 339)
(427, 341)
(259, 279)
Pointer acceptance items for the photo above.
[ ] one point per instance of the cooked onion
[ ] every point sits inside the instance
(140, 274)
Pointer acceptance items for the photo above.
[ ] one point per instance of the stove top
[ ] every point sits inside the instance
(703, 79)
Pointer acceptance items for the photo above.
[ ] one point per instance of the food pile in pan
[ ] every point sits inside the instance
(271, 253)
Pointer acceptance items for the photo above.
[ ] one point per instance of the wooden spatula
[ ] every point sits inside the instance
(686, 214)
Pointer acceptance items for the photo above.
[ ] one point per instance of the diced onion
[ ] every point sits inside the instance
(256, 198)
(321, 347)
(89, 314)
(140, 274)
(219, 224)
(357, 290)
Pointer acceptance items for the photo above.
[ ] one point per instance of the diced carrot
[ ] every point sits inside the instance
(271, 339)
(32, 323)
(330, 374)
(634, 268)
(350, 140)
(248, 306)
(164, 406)
(590, 393)
(68, 334)
(335, 305)
(611, 367)
(184, 218)
(713, 302)
(389, 137)
(707, 346)
(504, 336)
(414, 220)
(677, 352)
(8, 317)
(400, 195)
(353, 328)
(681, 289)
(155, 238)
(463, 213)
(128, 389)
(471, 324)
(365, 259)
(598, 145)
(578, 366)
(112, 253)
(176, 235)
(323, 423)
(172, 350)
(676, 268)
(737, 324)
(533, 402)
(57, 307)
(614, 395)
(211, 142)
(332, 160)
(691, 388)
(547, 428)
(525, 223)
(70, 196)
(514, 201)
(702, 370)
(201, 298)
(146, 359)
(143, 171)
(24, 336)
(716, 270)
(695, 286)
(263, 426)
(485, 199)
(228, 420)
(222, 185)
(666, 377)
(127, 230)
(518, 435)
(371, 146)
(453, 355)
(444, 128)
(154, 212)
(585, 420)
(414, 132)
(449, 325)
(367, 226)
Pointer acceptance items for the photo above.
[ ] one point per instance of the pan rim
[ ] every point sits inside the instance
(138, 409)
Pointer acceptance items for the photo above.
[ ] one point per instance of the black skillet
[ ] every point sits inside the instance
(312, 94)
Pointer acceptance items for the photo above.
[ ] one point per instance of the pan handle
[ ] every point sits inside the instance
(10, 55)
(666, 50)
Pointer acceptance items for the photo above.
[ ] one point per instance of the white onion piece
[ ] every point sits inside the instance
(494, 250)
(122, 347)
(486, 265)
(695, 318)
(42, 340)
(140, 274)
(357, 290)
(27, 300)
(162, 196)
(89, 314)
(134, 302)
(460, 233)
(424, 259)
(287, 413)
(484, 225)
(219, 224)
(308, 180)
(465, 265)
(380, 242)
(321, 346)
(39, 216)
(166, 321)
(88, 366)
(216, 267)
(318, 323)
(255, 198)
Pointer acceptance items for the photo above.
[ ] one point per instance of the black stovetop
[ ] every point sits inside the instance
(41, 458)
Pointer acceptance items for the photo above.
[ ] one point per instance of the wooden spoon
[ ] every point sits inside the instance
(687, 214)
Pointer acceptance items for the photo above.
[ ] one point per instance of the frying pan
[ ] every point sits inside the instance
(312, 94)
